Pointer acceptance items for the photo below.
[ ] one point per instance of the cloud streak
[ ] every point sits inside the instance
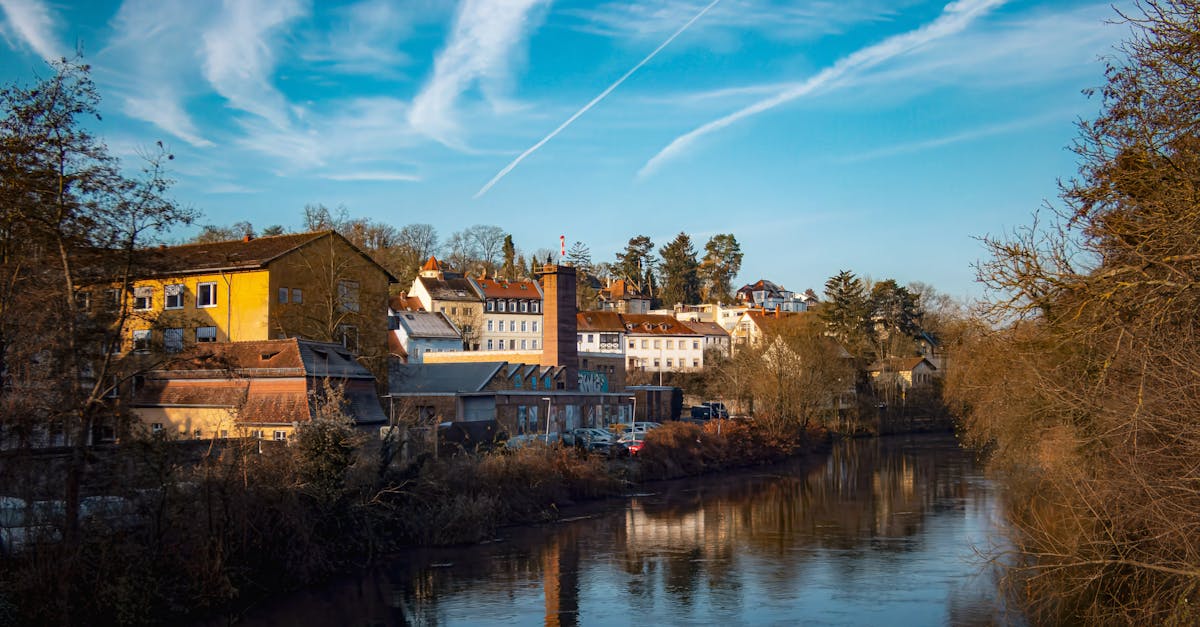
(957, 138)
(32, 22)
(954, 18)
(239, 60)
(480, 51)
(594, 101)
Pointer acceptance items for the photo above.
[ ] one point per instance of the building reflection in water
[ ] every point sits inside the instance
(879, 525)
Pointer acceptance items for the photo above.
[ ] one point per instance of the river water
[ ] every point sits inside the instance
(878, 532)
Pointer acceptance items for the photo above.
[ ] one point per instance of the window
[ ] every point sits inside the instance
(696, 345)
(491, 305)
(632, 343)
(206, 334)
(533, 307)
(174, 296)
(143, 298)
(669, 364)
(489, 325)
(348, 295)
(83, 300)
(257, 434)
(534, 345)
(466, 311)
(523, 325)
(141, 341)
(297, 296)
(695, 363)
(281, 436)
(112, 299)
(534, 326)
(173, 340)
(283, 295)
(500, 306)
(454, 311)
(645, 343)
(206, 294)
(671, 344)
(156, 428)
(656, 363)
(489, 342)
(522, 344)
(579, 338)
(348, 336)
(591, 338)
(657, 343)
(524, 306)
(520, 419)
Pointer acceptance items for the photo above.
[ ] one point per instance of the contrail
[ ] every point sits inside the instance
(955, 17)
(508, 168)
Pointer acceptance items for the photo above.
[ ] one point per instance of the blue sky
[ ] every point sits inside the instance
(881, 136)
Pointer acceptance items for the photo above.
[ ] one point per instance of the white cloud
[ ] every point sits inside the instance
(363, 38)
(239, 56)
(376, 175)
(954, 18)
(480, 53)
(31, 22)
(778, 18)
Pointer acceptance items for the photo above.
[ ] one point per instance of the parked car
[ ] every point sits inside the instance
(587, 436)
(634, 441)
(717, 409)
(518, 441)
(701, 413)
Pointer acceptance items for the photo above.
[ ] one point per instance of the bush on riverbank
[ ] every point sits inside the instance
(243, 524)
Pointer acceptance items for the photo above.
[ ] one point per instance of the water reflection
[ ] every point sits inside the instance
(880, 531)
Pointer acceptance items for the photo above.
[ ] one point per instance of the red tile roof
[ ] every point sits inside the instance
(523, 289)
(636, 324)
(404, 302)
(432, 265)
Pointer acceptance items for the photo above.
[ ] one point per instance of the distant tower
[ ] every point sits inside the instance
(559, 325)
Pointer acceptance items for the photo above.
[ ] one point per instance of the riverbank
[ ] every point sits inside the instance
(244, 525)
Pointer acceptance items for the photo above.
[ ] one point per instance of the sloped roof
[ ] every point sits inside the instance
(634, 324)
(768, 320)
(432, 265)
(450, 289)
(428, 324)
(241, 254)
(599, 322)
(404, 302)
(899, 364)
(524, 289)
(442, 378)
(291, 357)
(706, 328)
(621, 290)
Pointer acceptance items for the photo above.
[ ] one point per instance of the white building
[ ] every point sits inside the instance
(648, 342)
(413, 334)
(512, 315)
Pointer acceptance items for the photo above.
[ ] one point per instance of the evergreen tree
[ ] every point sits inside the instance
(580, 256)
(846, 312)
(722, 261)
(636, 261)
(680, 272)
(509, 269)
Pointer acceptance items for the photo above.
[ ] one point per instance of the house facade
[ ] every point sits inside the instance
(767, 295)
(414, 334)
(264, 389)
(512, 315)
(315, 286)
(457, 296)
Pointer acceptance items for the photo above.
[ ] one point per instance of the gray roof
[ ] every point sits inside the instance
(324, 359)
(459, 289)
(442, 378)
(427, 324)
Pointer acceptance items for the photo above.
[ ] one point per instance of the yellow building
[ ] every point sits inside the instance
(315, 286)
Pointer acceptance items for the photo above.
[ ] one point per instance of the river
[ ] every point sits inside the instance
(880, 531)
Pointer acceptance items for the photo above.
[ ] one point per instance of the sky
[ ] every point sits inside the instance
(883, 137)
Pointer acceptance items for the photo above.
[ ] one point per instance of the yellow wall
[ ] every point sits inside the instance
(240, 313)
(182, 422)
(317, 268)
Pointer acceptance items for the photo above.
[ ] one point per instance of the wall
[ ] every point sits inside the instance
(240, 313)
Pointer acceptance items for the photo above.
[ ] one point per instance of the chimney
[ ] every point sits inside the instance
(559, 323)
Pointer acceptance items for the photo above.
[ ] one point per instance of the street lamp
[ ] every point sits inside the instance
(634, 399)
(548, 406)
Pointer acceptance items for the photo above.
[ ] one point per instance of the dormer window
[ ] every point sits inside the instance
(491, 305)
(533, 307)
(500, 306)
(524, 306)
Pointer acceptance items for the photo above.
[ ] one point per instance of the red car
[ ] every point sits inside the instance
(633, 441)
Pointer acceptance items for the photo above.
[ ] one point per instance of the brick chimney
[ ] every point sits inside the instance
(559, 324)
